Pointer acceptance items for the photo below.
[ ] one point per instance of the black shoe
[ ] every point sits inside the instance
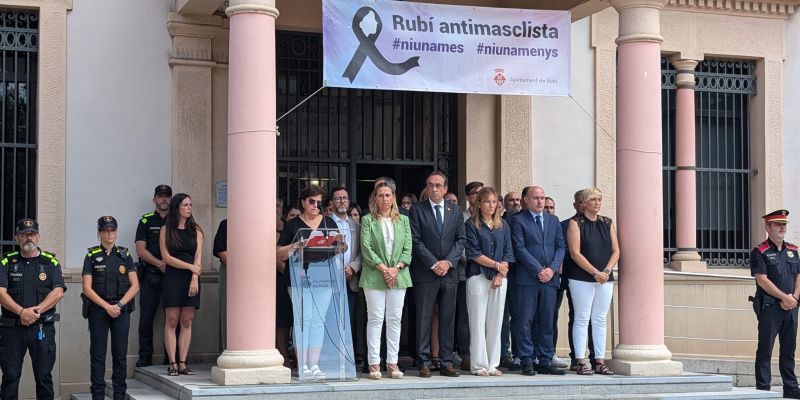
(549, 369)
(793, 393)
(528, 370)
(507, 361)
(436, 364)
(516, 365)
(144, 362)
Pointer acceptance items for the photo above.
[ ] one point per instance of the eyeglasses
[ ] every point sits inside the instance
(341, 199)
(313, 202)
(435, 185)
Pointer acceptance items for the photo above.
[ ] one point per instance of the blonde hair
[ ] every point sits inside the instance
(497, 219)
(373, 205)
(590, 193)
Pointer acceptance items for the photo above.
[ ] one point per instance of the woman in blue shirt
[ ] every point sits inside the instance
(488, 251)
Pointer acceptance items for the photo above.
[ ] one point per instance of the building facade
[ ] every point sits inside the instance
(107, 99)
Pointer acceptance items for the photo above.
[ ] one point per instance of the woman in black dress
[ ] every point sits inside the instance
(311, 218)
(181, 241)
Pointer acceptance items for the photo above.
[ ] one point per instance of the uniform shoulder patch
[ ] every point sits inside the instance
(93, 250)
(763, 246)
(606, 220)
(791, 246)
(51, 257)
(123, 251)
(145, 216)
(11, 253)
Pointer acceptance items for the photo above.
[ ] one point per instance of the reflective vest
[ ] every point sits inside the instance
(29, 284)
(108, 268)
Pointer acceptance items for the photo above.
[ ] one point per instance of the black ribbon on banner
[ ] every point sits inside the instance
(366, 48)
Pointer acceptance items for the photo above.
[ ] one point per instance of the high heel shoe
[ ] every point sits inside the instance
(394, 371)
(375, 372)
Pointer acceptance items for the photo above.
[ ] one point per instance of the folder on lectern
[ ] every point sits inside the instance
(322, 335)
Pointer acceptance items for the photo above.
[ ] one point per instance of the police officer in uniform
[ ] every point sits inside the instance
(776, 266)
(31, 284)
(151, 270)
(110, 283)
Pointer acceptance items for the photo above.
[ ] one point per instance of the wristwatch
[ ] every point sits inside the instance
(121, 304)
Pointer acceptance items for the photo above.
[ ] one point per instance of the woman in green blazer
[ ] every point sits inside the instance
(385, 255)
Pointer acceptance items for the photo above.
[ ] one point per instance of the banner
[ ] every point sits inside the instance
(398, 45)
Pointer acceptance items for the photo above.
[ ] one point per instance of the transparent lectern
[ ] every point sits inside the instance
(322, 336)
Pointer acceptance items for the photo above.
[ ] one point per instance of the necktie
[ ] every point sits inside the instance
(538, 220)
(439, 222)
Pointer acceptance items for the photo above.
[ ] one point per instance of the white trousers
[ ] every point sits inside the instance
(591, 301)
(383, 304)
(485, 308)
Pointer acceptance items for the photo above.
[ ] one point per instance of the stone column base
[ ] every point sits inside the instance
(250, 368)
(688, 261)
(628, 359)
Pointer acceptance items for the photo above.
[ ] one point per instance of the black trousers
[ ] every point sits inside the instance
(150, 293)
(508, 340)
(559, 300)
(100, 323)
(149, 301)
(570, 322)
(462, 321)
(426, 296)
(775, 321)
(14, 343)
(534, 303)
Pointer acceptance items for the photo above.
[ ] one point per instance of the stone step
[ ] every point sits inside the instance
(742, 370)
(84, 396)
(136, 390)
(736, 393)
(511, 385)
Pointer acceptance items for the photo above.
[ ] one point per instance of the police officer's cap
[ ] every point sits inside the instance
(106, 222)
(27, 225)
(163, 189)
(777, 216)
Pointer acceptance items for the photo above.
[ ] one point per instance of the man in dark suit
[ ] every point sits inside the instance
(539, 248)
(437, 232)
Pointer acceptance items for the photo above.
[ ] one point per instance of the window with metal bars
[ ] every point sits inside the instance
(351, 136)
(19, 43)
(723, 89)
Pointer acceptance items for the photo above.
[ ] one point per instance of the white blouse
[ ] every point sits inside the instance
(387, 226)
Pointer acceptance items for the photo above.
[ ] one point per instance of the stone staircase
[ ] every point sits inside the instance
(152, 383)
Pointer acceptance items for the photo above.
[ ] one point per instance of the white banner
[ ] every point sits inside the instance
(398, 45)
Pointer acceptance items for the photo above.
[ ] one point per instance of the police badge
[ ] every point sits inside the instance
(42, 276)
(122, 269)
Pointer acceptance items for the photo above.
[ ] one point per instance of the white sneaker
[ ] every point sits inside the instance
(559, 363)
(307, 374)
(317, 373)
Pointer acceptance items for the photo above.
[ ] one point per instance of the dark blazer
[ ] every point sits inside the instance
(495, 244)
(534, 251)
(429, 246)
